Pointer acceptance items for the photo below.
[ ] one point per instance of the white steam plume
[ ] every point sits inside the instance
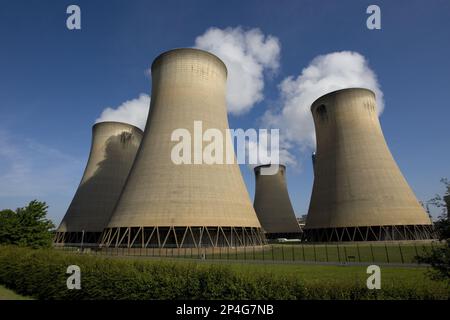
(133, 111)
(248, 55)
(325, 73)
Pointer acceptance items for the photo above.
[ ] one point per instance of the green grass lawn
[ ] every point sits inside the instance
(6, 294)
(361, 252)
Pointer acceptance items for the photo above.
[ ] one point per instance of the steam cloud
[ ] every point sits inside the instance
(248, 55)
(325, 73)
(133, 111)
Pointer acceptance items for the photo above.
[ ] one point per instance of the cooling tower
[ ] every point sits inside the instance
(359, 192)
(273, 206)
(113, 149)
(165, 204)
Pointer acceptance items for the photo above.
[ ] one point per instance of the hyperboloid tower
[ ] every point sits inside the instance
(273, 206)
(113, 149)
(359, 192)
(170, 204)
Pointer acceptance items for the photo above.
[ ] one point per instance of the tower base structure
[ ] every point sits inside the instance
(370, 233)
(182, 237)
(77, 238)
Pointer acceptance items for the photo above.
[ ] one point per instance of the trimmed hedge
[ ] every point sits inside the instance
(42, 274)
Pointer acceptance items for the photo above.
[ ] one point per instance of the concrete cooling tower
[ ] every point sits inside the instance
(359, 192)
(113, 149)
(165, 204)
(273, 206)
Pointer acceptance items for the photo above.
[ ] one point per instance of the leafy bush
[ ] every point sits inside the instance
(439, 259)
(42, 274)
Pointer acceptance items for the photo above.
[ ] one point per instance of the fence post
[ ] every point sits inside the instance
(359, 253)
(282, 251)
(387, 254)
(371, 250)
(273, 256)
(401, 253)
(315, 254)
(326, 252)
(339, 252)
(345, 254)
(303, 251)
(293, 253)
(415, 249)
(263, 249)
(254, 252)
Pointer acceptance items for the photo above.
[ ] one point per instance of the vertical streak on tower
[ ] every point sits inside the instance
(359, 192)
(273, 206)
(113, 149)
(184, 205)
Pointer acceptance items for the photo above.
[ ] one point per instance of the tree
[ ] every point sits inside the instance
(27, 226)
(439, 257)
(442, 225)
(8, 227)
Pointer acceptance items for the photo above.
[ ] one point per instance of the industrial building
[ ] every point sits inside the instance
(273, 206)
(113, 149)
(359, 193)
(165, 204)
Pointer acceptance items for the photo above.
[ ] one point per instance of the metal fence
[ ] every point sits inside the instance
(398, 253)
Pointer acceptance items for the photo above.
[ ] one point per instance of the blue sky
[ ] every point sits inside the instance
(54, 83)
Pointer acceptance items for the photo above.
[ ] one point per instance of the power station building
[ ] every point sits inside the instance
(273, 206)
(359, 192)
(165, 204)
(113, 149)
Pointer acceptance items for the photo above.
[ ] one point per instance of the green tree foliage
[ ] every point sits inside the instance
(439, 257)
(27, 226)
(442, 225)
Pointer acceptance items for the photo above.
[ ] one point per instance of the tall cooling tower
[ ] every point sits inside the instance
(113, 149)
(183, 205)
(359, 192)
(273, 206)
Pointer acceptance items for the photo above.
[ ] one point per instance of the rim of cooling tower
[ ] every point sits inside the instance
(313, 105)
(165, 53)
(117, 122)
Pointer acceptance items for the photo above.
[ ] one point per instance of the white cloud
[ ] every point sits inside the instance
(133, 111)
(325, 73)
(247, 55)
